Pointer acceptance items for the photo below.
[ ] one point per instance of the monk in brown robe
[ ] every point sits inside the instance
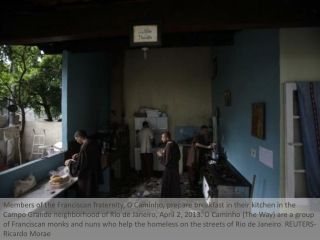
(169, 157)
(86, 165)
(196, 154)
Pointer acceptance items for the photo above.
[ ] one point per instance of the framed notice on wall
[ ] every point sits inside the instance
(258, 120)
(145, 35)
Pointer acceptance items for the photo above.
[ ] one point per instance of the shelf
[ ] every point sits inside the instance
(300, 171)
(296, 117)
(297, 144)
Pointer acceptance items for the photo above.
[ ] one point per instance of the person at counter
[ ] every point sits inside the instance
(169, 158)
(200, 146)
(146, 137)
(86, 166)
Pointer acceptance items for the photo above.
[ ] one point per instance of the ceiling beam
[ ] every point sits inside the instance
(168, 40)
(114, 20)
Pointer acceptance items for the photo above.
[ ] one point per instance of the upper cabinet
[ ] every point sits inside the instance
(160, 123)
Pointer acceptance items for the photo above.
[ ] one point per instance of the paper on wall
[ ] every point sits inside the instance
(266, 156)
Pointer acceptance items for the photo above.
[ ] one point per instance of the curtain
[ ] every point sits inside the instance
(309, 109)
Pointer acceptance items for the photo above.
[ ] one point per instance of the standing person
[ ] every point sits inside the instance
(196, 154)
(169, 158)
(146, 137)
(86, 165)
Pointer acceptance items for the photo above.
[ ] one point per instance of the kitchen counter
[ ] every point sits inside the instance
(39, 191)
(39, 194)
(185, 144)
(224, 180)
(223, 173)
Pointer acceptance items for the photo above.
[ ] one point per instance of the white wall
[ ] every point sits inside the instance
(53, 132)
(299, 61)
(179, 78)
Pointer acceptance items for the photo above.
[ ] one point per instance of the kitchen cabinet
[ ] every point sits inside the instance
(162, 123)
(155, 123)
(152, 123)
(224, 181)
(138, 123)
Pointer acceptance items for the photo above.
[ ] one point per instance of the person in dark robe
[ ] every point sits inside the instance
(169, 158)
(86, 165)
(200, 146)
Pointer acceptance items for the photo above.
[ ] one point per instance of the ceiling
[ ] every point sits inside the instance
(16, 7)
(60, 24)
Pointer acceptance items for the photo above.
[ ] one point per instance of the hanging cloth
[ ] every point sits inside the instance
(309, 107)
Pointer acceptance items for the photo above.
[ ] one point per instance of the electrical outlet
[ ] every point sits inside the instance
(253, 153)
(181, 130)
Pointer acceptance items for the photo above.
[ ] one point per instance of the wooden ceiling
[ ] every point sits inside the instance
(58, 22)
(16, 7)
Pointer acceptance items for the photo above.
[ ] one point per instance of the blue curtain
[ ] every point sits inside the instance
(309, 108)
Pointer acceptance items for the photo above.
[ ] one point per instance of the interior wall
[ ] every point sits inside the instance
(250, 70)
(85, 95)
(179, 78)
(299, 61)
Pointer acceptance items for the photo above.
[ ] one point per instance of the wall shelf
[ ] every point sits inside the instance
(297, 144)
(294, 176)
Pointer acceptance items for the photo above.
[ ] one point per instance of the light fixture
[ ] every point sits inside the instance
(145, 49)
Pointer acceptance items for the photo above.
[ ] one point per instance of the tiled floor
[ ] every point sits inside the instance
(132, 187)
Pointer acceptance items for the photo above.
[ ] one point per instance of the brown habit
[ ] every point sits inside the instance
(170, 177)
(88, 170)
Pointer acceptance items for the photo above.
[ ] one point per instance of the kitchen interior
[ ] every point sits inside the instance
(169, 95)
(205, 56)
(182, 88)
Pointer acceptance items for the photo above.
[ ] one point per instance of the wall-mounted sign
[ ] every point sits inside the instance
(145, 35)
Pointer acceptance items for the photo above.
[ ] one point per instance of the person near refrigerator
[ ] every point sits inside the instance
(146, 137)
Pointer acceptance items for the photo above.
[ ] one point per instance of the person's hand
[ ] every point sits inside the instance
(210, 146)
(67, 162)
(160, 153)
(214, 145)
(75, 156)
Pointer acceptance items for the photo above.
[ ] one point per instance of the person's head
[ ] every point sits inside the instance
(80, 136)
(166, 137)
(204, 130)
(145, 124)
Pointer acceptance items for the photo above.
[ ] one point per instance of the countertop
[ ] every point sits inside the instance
(39, 194)
(39, 191)
(218, 180)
